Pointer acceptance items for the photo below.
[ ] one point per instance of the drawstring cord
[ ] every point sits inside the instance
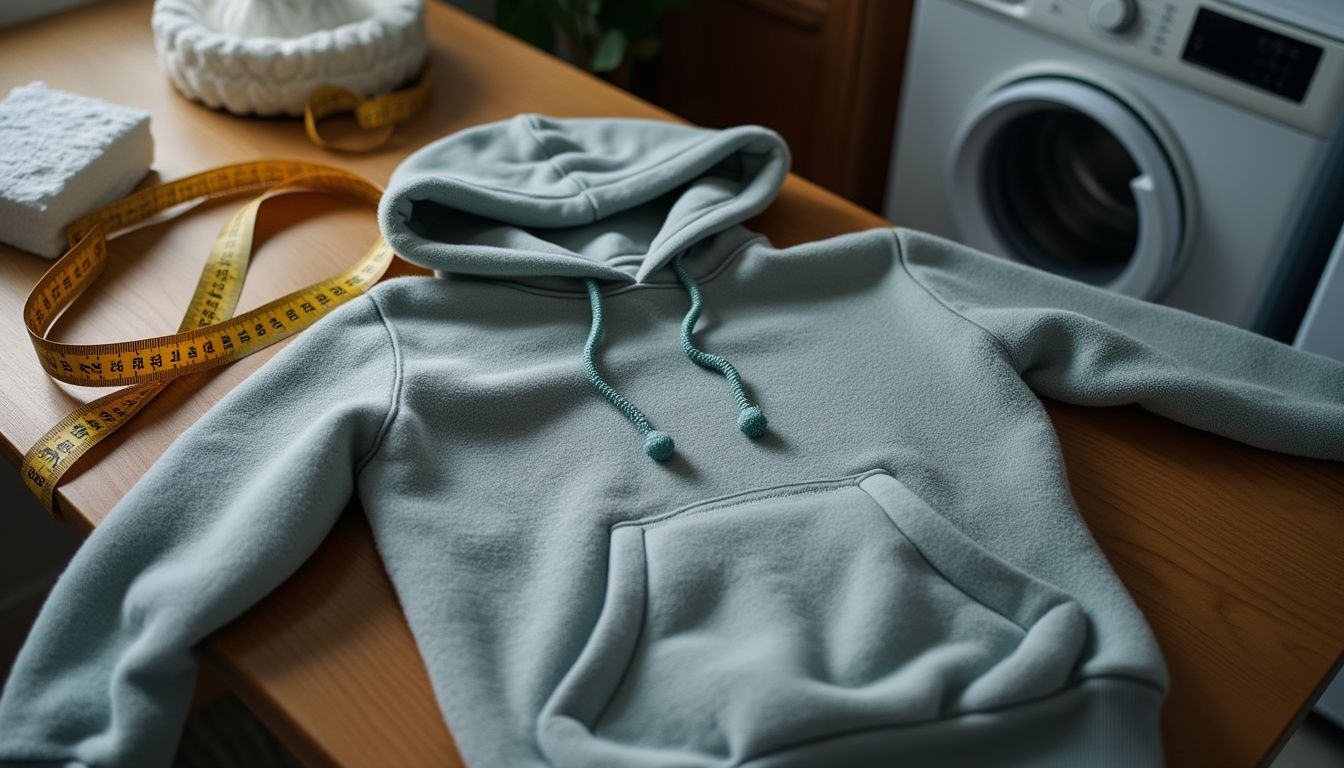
(750, 419)
(658, 445)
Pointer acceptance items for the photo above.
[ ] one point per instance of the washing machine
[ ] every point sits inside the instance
(1158, 148)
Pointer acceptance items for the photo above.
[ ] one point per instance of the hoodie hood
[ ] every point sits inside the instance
(606, 199)
(592, 200)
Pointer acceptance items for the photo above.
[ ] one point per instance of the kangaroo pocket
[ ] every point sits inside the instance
(775, 619)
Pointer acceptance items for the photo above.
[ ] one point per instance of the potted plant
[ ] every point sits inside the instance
(602, 36)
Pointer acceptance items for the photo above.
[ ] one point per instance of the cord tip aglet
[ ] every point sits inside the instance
(659, 445)
(752, 422)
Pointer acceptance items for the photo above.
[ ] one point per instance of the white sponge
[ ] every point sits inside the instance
(61, 156)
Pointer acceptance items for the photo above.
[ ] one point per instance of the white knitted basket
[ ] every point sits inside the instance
(265, 56)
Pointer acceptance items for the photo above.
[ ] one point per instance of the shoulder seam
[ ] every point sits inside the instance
(394, 397)
(905, 265)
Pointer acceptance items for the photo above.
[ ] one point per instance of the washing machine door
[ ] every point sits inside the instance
(1062, 175)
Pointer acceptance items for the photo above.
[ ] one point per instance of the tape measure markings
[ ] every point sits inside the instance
(209, 346)
(209, 335)
(378, 113)
(78, 432)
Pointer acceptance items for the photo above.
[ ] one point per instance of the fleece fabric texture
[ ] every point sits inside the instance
(894, 573)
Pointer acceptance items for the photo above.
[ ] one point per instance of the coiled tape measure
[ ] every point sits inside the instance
(377, 116)
(209, 335)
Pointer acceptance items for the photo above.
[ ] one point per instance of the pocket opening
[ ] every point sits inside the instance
(738, 625)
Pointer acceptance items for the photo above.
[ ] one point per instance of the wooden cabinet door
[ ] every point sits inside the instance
(826, 74)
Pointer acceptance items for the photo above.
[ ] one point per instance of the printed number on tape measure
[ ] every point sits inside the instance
(209, 334)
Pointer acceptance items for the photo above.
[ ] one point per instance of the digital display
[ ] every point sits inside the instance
(1255, 56)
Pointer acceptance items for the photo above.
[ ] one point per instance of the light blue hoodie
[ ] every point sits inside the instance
(860, 551)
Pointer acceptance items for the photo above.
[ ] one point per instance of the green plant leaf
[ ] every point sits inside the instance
(610, 51)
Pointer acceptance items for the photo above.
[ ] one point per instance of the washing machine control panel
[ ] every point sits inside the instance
(1289, 73)
(1259, 57)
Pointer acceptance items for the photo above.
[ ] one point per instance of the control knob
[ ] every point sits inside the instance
(1114, 16)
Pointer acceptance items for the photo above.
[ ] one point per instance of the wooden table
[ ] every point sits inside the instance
(1233, 554)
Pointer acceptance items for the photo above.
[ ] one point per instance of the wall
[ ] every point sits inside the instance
(17, 11)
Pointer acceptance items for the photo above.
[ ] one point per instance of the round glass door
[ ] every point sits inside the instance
(1061, 175)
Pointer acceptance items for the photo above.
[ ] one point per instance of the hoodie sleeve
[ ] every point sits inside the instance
(233, 507)
(1084, 345)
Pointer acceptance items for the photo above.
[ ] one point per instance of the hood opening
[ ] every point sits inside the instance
(605, 199)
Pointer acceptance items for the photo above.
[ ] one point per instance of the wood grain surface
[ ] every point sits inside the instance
(1233, 554)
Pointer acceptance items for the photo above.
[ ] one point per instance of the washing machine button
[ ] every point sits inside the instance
(1114, 16)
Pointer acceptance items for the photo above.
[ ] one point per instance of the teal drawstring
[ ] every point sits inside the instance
(658, 445)
(750, 419)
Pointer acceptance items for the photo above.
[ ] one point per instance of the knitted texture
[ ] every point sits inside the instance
(62, 155)
(265, 56)
(751, 420)
(658, 445)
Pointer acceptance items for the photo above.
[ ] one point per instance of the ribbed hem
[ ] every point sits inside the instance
(1099, 723)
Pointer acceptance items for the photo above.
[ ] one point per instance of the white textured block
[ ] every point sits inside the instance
(61, 156)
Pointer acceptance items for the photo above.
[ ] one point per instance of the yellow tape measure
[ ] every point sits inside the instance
(377, 115)
(209, 335)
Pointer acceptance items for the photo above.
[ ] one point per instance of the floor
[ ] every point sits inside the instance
(1317, 744)
(222, 733)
